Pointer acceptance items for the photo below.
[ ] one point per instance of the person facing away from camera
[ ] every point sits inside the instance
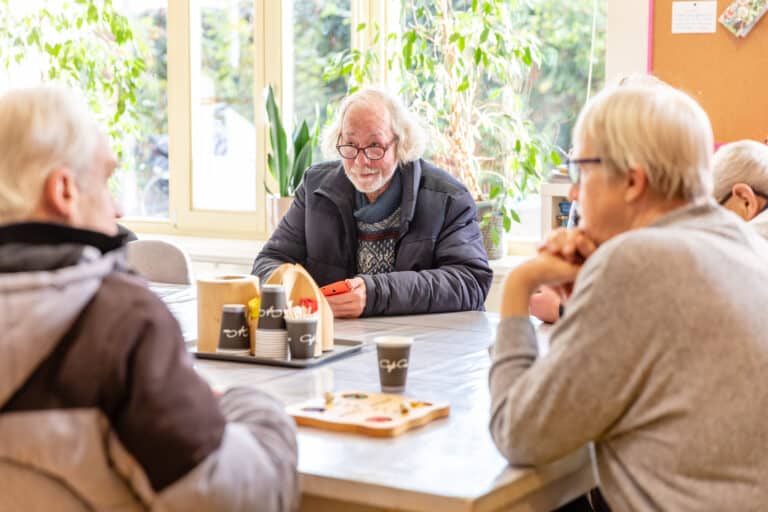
(100, 408)
(403, 232)
(546, 304)
(658, 355)
(740, 172)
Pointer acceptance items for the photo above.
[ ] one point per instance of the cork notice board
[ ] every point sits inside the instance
(727, 75)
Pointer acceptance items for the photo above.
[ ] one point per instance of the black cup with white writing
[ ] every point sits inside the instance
(394, 355)
(272, 307)
(302, 336)
(234, 333)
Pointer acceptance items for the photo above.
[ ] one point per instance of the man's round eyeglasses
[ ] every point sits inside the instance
(374, 152)
(574, 167)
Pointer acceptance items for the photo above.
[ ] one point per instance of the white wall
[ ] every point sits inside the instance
(627, 38)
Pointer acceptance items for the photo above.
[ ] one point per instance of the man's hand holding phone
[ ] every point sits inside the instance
(336, 288)
(346, 298)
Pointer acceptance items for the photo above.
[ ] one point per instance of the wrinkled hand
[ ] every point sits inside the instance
(571, 245)
(523, 281)
(350, 304)
(558, 263)
(549, 270)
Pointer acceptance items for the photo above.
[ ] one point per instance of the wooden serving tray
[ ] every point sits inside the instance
(371, 414)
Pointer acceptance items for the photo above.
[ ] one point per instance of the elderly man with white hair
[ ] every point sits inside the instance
(401, 232)
(741, 181)
(661, 356)
(100, 407)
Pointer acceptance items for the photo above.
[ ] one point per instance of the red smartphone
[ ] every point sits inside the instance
(336, 288)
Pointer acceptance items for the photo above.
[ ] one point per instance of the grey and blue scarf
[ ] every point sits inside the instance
(378, 228)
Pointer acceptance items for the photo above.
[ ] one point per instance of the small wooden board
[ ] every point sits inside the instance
(372, 414)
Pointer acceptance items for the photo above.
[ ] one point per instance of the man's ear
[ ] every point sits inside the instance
(746, 199)
(637, 185)
(60, 194)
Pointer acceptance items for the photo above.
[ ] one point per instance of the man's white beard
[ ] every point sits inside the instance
(369, 185)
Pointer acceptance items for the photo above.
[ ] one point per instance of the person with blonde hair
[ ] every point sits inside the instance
(546, 304)
(401, 232)
(740, 172)
(657, 358)
(100, 407)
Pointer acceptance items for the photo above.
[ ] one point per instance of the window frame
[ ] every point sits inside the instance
(183, 32)
(271, 35)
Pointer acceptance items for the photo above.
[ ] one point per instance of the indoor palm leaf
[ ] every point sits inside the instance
(287, 161)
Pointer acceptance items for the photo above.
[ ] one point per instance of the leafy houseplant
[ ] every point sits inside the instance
(84, 44)
(288, 159)
(464, 68)
(496, 212)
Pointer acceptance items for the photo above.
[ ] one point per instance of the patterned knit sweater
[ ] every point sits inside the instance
(378, 228)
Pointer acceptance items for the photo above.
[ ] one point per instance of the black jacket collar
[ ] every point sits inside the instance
(41, 233)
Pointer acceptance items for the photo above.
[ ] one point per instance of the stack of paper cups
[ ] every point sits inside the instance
(271, 337)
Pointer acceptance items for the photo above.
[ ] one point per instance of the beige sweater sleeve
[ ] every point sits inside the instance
(660, 360)
(544, 408)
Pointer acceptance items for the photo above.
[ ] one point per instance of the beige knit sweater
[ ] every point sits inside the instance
(661, 359)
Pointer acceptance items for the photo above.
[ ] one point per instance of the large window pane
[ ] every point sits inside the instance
(142, 183)
(560, 87)
(320, 27)
(113, 55)
(508, 118)
(224, 150)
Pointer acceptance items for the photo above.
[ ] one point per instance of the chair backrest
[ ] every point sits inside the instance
(159, 261)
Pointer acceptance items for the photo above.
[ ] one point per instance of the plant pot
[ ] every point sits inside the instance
(276, 209)
(493, 224)
(483, 207)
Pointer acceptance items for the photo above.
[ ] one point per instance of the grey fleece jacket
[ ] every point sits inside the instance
(100, 408)
(661, 359)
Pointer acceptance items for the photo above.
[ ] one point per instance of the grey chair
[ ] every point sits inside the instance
(159, 261)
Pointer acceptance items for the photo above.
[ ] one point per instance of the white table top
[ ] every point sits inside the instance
(449, 464)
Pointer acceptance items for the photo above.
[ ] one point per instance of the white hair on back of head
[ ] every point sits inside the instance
(41, 129)
(744, 161)
(658, 129)
(637, 80)
(406, 126)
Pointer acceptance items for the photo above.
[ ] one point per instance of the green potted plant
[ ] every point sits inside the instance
(501, 191)
(287, 160)
(464, 68)
(495, 213)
